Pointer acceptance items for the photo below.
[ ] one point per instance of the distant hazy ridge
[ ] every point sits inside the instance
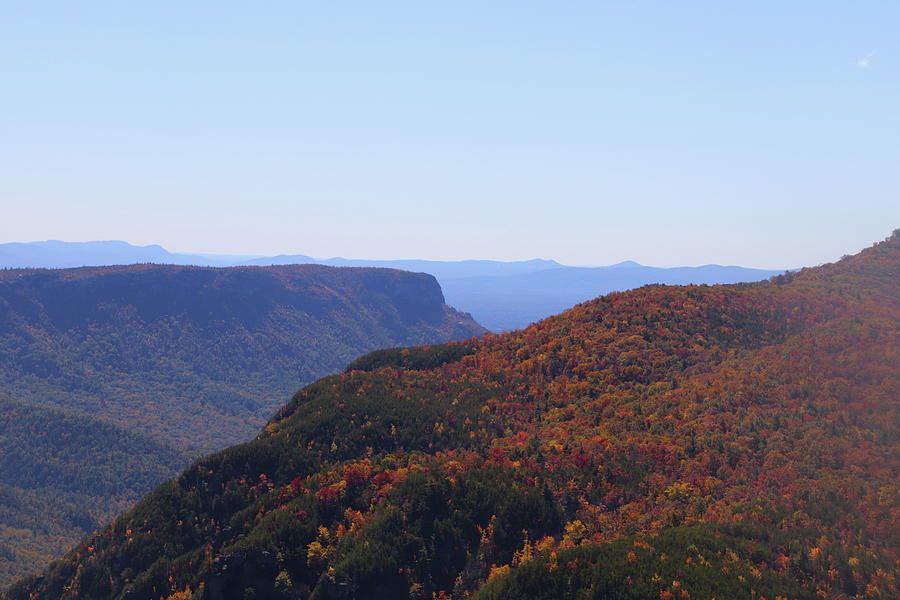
(500, 295)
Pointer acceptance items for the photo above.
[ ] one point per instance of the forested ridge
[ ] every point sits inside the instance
(667, 442)
(502, 296)
(175, 349)
(113, 378)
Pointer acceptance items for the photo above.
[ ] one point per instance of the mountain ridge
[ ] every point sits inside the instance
(503, 296)
(187, 360)
(747, 430)
(181, 313)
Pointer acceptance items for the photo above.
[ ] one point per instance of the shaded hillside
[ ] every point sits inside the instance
(197, 357)
(668, 442)
(113, 377)
(62, 476)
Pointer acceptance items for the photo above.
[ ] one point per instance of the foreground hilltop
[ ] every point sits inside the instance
(112, 378)
(669, 442)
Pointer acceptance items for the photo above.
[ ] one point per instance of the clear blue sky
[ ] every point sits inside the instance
(757, 133)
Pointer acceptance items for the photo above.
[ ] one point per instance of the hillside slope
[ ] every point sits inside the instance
(200, 358)
(62, 476)
(112, 378)
(668, 442)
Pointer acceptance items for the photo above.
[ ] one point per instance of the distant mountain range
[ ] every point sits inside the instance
(112, 378)
(505, 303)
(500, 295)
(54, 254)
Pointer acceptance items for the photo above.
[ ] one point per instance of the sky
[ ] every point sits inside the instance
(758, 133)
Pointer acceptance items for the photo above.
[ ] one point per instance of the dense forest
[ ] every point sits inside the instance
(731, 441)
(113, 378)
(63, 476)
(173, 350)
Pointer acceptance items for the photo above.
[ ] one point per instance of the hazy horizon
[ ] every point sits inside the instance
(235, 256)
(761, 134)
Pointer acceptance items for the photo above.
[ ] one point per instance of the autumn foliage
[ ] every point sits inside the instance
(669, 442)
